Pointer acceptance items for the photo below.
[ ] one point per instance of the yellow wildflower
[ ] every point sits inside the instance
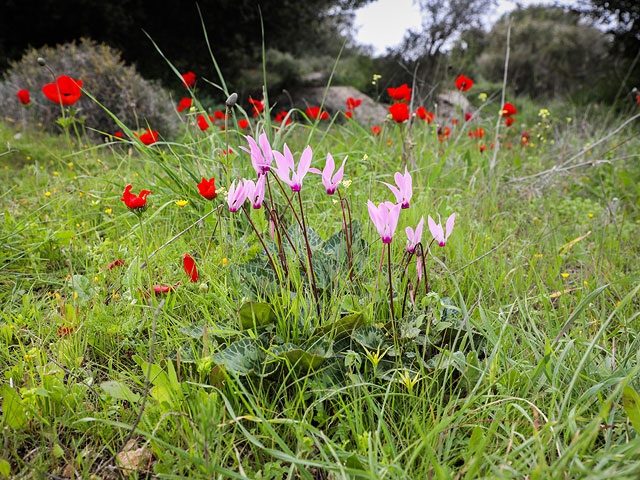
(181, 203)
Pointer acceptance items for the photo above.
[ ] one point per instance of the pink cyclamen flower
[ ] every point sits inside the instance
(441, 235)
(261, 156)
(237, 195)
(404, 190)
(385, 218)
(256, 191)
(414, 237)
(286, 167)
(329, 179)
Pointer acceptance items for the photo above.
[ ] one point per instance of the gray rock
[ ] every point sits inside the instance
(451, 102)
(369, 112)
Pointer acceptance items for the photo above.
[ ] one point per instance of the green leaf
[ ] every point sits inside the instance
(119, 391)
(5, 468)
(631, 404)
(256, 314)
(343, 325)
(244, 357)
(306, 358)
(14, 414)
(371, 337)
(81, 285)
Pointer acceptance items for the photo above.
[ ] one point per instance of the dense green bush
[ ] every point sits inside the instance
(136, 101)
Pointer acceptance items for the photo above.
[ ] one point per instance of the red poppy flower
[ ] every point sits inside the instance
(258, 106)
(376, 130)
(467, 117)
(352, 103)
(65, 91)
(190, 267)
(149, 137)
(399, 112)
(23, 96)
(188, 79)
(219, 115)
(524, 138)
(132, 201)
(314, 112)
(207, 188)
(118, 134)
(184, 103)
(509, 121)
(348, 114)
(463, 83)
(112, 265)
(403, 92)
(508, 109)
(638, 99)
(443, 133)
(244, 123)
(281, 116)
(454, 121)
(482, 148)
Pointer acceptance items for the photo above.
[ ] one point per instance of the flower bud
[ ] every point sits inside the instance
(42, 62)
(231, 101)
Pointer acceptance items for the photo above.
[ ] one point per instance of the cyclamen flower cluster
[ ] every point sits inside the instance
(385, 215)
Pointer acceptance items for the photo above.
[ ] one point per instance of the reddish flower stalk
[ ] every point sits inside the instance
(309, 256)
(347, 233)
(273, 265)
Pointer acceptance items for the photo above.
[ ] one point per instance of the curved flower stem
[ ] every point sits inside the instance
(293, 247)
(272, 214)
(390, 286)
(273, 265)
(146, 255)
(309, 256)
(424, 268)
(295, 214)
(346, 234)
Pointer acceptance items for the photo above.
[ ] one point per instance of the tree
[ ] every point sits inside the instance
(553, 52)
(234, 29)
(423, 51)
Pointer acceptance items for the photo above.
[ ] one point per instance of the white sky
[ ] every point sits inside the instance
(383, 23)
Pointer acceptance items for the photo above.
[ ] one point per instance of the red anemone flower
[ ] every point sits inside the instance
(376, 130)
(190, 267)
(207, 188)
(508, 109)
(509, 121)
(423, 114)
(132, 201)
(244, 123)
(258, 106)
(203, 124)
(314, 113)
(463, 83)
(118, 134)
(281, 116)
(638, 99)
(477, 133)
(454, 121)
(219, 115)
(482, 148)
(185, 103)
(65, 91)
(188, 79)
(149, 137)
(23, 96)
(352, 103)
(403, 92)
(158, 289)
(399, 112)
(348, 114)
(112, 265)
(443, 133)
(467, 117)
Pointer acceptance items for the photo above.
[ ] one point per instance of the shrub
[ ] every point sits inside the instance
(134, 100)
